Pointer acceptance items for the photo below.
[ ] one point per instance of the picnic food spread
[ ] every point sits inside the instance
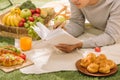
(18, 21)
(11, 56)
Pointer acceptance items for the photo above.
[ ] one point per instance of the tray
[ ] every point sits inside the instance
(9, 69)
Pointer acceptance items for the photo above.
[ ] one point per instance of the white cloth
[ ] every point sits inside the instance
(47, 58)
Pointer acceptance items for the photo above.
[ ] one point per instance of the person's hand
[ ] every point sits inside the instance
(68, 47)
(59, 25)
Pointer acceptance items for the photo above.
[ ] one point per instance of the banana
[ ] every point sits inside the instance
(8, 20)
(16, 19)
(5, 17)
(11, 20)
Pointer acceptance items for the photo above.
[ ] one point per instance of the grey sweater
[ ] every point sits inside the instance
(105, 15)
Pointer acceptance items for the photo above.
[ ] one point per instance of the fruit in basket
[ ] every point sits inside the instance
(38, 10)
(16, 19)
(31, 19)
(21, 24)
(50, 11)
(25, 13)
(43, 13)
(23, 20)
(12, 18)
(32, 11)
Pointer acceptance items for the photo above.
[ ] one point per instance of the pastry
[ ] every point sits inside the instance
(10, 60)
(104, 68)
(94, 64)
(110, 63)
(11, 56)
(93, 68)
(85, 62)
(91, 56)
(100, 59)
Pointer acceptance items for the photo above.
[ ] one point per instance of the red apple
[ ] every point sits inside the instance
(21, 24)
(33, 11)
(38, 10)
(23, 20)
(36, 14)
(31, 19)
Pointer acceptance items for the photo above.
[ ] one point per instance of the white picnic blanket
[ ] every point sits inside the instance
(47, 58)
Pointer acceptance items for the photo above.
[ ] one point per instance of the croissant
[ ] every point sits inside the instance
(104, 68)
(93, 68)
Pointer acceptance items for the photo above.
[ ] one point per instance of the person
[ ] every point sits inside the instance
(102, 14)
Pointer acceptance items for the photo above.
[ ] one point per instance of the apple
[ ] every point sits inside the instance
(36, 15)
(37, 10)
(59, 19)
(31, 19)
(32, 11)
(21, 24)
(25, 13)
(23, 20)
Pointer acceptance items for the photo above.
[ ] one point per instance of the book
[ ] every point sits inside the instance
(55, 36)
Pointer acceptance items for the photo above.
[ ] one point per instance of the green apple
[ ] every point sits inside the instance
(25, 13)
(59, 19)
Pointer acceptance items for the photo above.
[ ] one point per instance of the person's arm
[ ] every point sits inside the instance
(111, 34)
(76, 23)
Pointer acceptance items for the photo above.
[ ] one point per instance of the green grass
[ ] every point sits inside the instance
(61, 75)
(6, 41)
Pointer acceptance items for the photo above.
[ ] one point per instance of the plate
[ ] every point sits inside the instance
(84, 70)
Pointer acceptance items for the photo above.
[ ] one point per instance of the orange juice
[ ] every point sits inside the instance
(25, 43)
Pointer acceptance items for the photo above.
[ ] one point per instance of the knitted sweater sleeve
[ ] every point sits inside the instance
(111, 34)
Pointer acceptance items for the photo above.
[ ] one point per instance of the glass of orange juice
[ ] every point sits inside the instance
(25, 43)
